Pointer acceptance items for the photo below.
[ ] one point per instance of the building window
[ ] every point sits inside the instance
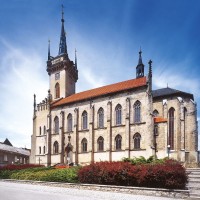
(100, 118)
(5, 158)
(40, 150)
(44, 130)
(171, 128)
(55, 147)
(185, 120)
(57, 90)
(84, 145)
(118, 142)
(155, 113)
(136, 139)
(57, 76)
(118, 114)
(69, 122)
(100, 143)
(56, 125)
(44, 150)
(40, 130)
(137, 110)
(16, 159)
(84, 120)
(155, 130)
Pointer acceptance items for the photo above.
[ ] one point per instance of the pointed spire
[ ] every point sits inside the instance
(140, 57)
(34, 105)
(63, 44)
(75, 59)
(49, 54)
(150, 68)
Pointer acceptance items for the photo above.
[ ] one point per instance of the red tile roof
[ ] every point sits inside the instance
(159, 119)
(108, 89)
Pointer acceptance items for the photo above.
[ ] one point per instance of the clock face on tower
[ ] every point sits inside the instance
(57, 76)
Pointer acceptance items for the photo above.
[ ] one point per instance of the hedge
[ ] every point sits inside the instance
(19, 167)
(170, 174)
(43, 174)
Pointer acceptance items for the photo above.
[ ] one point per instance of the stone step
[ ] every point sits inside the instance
(194, 196)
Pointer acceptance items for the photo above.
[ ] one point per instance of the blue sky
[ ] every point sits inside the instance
(107, 35)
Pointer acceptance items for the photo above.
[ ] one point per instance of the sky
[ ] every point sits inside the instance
(107, 35)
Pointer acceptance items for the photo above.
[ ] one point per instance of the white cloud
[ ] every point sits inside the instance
(177, 81)
(22, 77)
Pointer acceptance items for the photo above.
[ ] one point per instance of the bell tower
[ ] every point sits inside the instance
(63, 73)
(140, 66)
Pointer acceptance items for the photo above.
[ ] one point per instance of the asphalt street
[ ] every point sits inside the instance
(19, 191)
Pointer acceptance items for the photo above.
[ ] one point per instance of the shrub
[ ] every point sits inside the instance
(143, 160)
(169, 174)
(47, 174)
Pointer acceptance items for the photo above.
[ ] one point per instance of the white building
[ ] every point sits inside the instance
(124, 119)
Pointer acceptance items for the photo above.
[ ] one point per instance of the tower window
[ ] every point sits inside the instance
(40, 151)
(57, 76)
(57, 90)
(118, 114)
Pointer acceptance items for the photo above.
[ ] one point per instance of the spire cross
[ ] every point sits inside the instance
(140, 52)
(62, 12)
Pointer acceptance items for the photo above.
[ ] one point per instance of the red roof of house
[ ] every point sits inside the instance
(159, 119)
(108, 89)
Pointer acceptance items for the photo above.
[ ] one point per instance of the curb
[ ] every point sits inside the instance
(159, 192)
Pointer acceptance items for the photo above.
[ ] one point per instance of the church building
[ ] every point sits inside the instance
(124, 119)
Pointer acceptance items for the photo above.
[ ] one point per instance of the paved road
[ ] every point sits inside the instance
(19, 191)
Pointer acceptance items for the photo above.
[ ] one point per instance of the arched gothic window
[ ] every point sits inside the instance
(171, 128)
(44, 150)
(155, 113)
(44, 130)
(136, 139)
(185, 122)
(84, 145)
(57, 90)
(155, 130)
(40, 130)
(118, 114)
(100, 118)
(40, 151)
(84, 120)
(55, 147)
(69, 122)
(118, 142)
(56, 125)
(137, 112)
(100, 143)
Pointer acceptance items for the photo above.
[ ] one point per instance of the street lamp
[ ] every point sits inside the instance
(168, 150)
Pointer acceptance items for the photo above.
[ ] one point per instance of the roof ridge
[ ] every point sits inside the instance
(103, 90)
